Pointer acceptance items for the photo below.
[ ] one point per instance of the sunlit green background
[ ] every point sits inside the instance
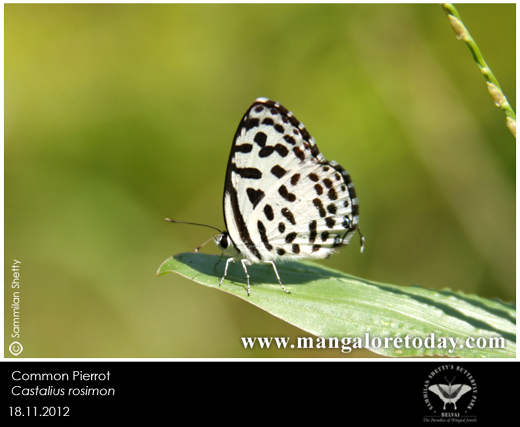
(117, 116)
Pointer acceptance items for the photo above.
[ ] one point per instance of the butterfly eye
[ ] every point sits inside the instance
(222, 241)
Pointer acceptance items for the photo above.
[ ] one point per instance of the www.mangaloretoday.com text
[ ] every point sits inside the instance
(347, 344)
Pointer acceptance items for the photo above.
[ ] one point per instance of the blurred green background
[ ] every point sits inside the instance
(117, 116)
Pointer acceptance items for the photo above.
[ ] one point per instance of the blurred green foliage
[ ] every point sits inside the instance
(117, 116)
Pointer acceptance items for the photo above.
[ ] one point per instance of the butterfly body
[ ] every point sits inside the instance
(282, 199)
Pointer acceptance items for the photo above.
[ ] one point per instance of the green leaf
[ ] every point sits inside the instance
(329, 303)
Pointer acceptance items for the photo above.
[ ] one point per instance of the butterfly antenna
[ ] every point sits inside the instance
(202, 225)
(193, 223)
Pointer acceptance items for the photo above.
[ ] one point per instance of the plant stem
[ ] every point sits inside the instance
(492, 83)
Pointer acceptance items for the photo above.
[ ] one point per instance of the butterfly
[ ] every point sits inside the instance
(449, 393)
(282, 199)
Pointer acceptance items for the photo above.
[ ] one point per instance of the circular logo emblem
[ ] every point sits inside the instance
(450, 392)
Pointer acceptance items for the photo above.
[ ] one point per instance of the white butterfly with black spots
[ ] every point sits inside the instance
(282, 199)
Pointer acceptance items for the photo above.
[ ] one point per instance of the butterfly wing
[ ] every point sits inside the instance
(282, 198)
(440, 390)
(458, 391)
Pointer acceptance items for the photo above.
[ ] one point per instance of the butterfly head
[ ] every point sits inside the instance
(225, 244)
(222, 241)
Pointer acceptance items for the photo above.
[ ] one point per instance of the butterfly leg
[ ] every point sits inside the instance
(225, 270)
(220, 259)
(277, 276)
(244, 262)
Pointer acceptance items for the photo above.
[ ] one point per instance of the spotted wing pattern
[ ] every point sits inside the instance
(282, 198)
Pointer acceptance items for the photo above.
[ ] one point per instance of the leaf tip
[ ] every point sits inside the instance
(163, 269)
